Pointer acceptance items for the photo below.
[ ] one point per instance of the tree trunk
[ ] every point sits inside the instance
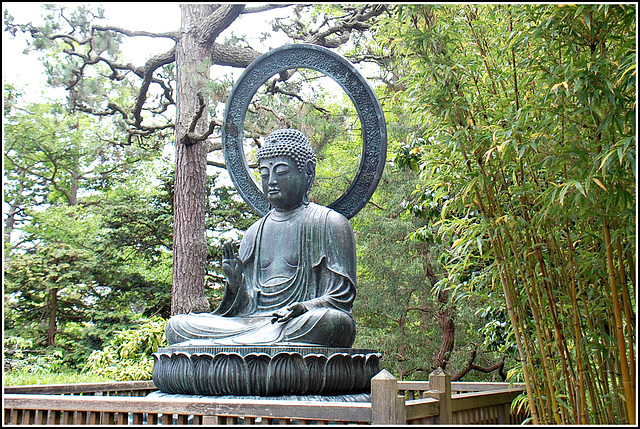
(445, 317)
(10, 221)
(73, 189)
(189, 243)
(53, 311)
(402, 350)
(447, 323)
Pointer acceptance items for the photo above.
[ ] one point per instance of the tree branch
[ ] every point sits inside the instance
(274, 89)
(358, 18)
(471, 366)
(264, 8)
(217, 22)
(193, 137)
(90, 56)
(146, 73)
(382, 208)
(217, 164)
(173, 35)
(151, 66)
(227, 55)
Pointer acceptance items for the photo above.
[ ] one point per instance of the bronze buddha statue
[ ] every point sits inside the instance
(293, 280)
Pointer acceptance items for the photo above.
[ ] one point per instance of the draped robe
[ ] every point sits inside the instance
(324, 281)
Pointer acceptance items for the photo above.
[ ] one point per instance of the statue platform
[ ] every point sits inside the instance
(263, 371)
(353, 398)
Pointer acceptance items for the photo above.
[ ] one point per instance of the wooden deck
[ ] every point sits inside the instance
(437, 401)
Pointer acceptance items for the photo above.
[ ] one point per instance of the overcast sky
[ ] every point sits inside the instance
(25, 70)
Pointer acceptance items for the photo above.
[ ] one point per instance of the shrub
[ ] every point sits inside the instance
(128, 356)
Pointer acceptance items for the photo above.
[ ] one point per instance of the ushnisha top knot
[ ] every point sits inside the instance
(288, 142)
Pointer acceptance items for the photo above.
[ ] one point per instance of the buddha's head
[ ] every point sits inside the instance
(287, 164)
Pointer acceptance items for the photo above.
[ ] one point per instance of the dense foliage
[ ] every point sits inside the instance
(526, 157)
(501, 239)
(88, 238)
(129, 353)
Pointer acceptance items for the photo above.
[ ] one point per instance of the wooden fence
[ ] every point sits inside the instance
(437, 401)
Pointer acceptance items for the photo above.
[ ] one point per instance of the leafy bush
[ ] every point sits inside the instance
(20, 357)
(23, 365)
(128, 356)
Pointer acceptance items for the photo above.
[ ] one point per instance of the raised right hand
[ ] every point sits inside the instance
(232, 266)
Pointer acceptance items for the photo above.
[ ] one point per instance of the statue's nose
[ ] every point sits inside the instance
(272, 179)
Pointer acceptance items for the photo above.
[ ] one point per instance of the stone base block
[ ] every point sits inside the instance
(264, 371)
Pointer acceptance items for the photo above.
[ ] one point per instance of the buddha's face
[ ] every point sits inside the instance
(283, 184)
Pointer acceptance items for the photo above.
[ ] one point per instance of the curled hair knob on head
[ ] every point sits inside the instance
(288, 142)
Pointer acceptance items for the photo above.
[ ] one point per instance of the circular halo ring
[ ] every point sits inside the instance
(374, 130)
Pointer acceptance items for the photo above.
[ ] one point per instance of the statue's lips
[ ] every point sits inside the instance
(273, 191)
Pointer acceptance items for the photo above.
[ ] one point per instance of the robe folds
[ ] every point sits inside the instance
(324, 281)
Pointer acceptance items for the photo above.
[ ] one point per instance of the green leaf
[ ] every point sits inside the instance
(579, 187)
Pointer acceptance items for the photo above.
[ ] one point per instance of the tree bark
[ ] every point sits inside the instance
(53, 311)
(445, 317)
(10, 220)
(201, 24)
(447, 322)
(189, 243)
(400, 356)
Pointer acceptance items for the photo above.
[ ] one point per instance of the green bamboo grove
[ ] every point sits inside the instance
(528, 147)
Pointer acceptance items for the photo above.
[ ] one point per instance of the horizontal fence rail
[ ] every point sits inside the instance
(437, 401)
(415, 389)
(110, 388)
(62, 409)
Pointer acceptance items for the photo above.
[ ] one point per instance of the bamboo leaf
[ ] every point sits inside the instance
(599, 183)
(628, 70)
(563, 193)
(445, 207)
(605, 160)
(555, 87)
(579, 187)
(487, 154)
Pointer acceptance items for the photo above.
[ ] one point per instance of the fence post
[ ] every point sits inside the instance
(503, 414)
(210, 420)
(387, 408)
(440, 388)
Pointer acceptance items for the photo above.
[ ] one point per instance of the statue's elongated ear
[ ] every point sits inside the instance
(310, 170)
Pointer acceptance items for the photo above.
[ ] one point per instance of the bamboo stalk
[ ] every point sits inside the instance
(600, 374)
(541, 404)
(499, 250)
(596, 400)
(601, 384)
(576, 329)
(610, 362)
(631, 263)
(543, 337)
(561, 277)
(626, 300)
(543, 345)
(557, 332)
(624, 364)
(613, 366)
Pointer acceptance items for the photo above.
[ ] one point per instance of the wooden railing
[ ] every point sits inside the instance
(119, 388)
(392, 402)
(434, 402)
